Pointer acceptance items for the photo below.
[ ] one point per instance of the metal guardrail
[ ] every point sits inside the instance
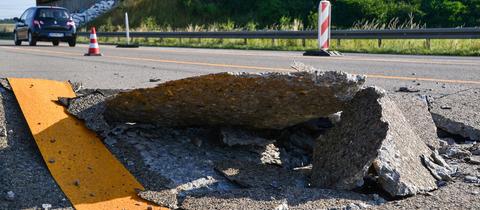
(437, 33)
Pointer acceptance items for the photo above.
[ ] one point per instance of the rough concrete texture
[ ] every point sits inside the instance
(268, 199)
(372, 130)
(415, 110)
(252, 100)
(164, 198)
(458, 113)
(250, 175)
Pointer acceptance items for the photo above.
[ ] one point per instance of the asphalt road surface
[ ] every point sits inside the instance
(133, 68)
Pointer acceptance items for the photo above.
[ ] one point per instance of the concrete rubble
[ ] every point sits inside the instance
(373, 132)
(257, 101)
(303, 140)
(458, 113)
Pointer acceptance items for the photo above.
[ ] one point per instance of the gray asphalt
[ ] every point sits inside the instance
(133, 68)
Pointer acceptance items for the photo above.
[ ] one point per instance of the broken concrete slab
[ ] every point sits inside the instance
(373, 131)
(251, 100)
(415, 110)
(251, 175)
(462, 116)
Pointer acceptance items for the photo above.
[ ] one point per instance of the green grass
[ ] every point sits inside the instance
(468, 47)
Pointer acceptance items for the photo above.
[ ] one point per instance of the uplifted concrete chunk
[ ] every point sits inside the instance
(262, 101)
(415, 110)
(459, 113)
(374, 131)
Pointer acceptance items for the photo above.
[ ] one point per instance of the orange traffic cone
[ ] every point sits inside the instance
(93, 50)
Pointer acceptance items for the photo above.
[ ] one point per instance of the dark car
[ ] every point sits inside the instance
(53, 24)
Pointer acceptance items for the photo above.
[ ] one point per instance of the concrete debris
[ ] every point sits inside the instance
(475, 149)
(164, 198)
(471, 179)
(473, 160)
(89, 107)
(4, 83)
(455, 151)
(463, 117)
(10, 196)
(408, 90)
(250, 100)
(441, 173)
(271, 155)
(251, 175)
(232, 137)
(372, 131)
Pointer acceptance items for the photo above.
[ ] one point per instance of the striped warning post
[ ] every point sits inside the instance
(89, 175)
(324, 17)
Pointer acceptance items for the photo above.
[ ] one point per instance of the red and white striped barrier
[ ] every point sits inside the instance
(324, 20)
(94, 49)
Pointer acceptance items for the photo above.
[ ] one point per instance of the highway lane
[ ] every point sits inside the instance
(132, 68)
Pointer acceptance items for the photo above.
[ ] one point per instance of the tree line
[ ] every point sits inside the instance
(431, 13)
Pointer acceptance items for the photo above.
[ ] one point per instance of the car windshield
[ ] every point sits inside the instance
(56, 14)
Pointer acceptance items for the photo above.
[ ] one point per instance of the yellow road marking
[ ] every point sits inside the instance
(89, 175)
(256, 67)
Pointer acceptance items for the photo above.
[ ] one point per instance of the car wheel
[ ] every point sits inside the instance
(72, 42)
(15, 38)
(31, 40)
(55, 43)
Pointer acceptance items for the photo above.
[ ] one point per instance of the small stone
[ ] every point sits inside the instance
(51, 160)
(77, 183)
(283, 206)
(475, 192)
(10, 196)
(471, 179)
(130, 163)
(10, 132)
(445, 107)
(52, 140)
(155, 80)
(414, 74)
(46, 206)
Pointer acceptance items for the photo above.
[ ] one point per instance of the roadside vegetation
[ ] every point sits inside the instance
(420, 47)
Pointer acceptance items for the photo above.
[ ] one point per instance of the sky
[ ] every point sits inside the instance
(14, 8)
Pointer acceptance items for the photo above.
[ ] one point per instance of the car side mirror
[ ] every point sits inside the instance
(16, 19)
